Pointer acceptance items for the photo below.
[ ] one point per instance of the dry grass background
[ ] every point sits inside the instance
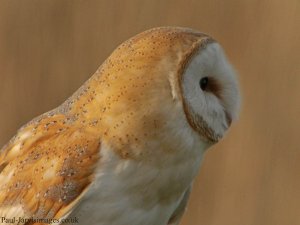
(49, 48)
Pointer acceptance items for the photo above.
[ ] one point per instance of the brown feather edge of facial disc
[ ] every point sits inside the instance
(196, 121)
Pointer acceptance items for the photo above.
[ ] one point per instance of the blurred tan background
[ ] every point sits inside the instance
(49, 48)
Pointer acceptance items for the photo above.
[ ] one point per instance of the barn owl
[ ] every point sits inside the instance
(125, 148)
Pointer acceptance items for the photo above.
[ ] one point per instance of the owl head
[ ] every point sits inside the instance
(163, 86)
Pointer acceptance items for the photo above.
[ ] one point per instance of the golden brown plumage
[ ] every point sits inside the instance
(133, 101)
(46, 167)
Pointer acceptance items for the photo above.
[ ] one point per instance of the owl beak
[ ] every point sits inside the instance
(228, 118)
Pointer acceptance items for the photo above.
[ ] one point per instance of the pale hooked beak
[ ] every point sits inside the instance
(228, 118)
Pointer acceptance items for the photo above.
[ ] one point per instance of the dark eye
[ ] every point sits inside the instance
(203, 83)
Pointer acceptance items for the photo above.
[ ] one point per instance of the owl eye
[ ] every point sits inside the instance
(203, 83)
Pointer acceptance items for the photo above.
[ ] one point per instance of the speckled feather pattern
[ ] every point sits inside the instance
(43, 171)
(47, 167)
